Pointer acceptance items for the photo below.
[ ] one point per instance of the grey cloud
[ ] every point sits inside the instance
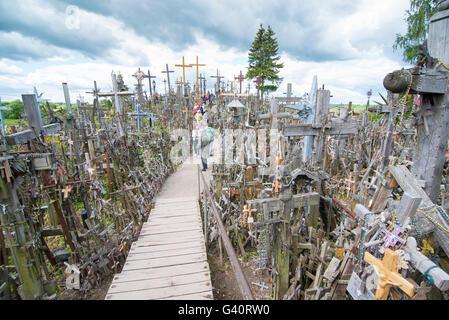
(301, 26)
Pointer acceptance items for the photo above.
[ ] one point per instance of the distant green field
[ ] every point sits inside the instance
(356, 108)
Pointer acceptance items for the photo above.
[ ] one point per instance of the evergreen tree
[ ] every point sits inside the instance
(418, 18)
(263, 59)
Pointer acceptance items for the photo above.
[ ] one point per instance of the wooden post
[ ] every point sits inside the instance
(430, 152)
(321, 114)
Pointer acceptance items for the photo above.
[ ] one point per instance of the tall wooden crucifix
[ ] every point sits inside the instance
(218, 80)
(149, 76)
(183, 66)
(197, 65)
(258, 82)
(240, 78)
(168, 76)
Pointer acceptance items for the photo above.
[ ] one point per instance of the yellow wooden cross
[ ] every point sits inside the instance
(387, 271)
(183, 65)
(340, 252)
(197, 65)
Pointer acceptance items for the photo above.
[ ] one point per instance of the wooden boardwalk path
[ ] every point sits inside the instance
(169, 259)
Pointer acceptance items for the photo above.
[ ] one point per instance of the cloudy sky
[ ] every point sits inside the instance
(346, 43)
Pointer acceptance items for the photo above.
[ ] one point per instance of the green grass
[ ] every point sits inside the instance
(12, 122)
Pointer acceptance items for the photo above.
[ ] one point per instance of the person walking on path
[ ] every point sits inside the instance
(207, 137)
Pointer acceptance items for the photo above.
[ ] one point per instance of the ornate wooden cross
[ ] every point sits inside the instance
(197, 65)
(183, 66)
(387, 271)
(240, 78)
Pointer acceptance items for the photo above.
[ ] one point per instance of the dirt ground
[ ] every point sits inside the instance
(98, 293)
(225, 286)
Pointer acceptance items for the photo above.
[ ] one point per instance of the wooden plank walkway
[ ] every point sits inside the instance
(169, 259)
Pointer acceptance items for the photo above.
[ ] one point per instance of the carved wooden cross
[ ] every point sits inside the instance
(247, 215)
(240, 78)
(387, 271)
(183, 66)
(66, 191)
(197, 65)
(277, 186)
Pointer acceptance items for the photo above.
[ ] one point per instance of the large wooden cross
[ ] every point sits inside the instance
(149, 76)
(240, 78)
(218, 80)
(168, 76)
(116, 94)
(321, 127)
(197, 65)
(183, 66)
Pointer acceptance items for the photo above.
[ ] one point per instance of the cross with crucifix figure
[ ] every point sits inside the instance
(387, 271)
(218, 81)
(183, 66)
(197, 65)
(322, 126)
(168, 76)
(240, 78)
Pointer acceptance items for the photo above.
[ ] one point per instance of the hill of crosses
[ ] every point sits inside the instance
(229, 193)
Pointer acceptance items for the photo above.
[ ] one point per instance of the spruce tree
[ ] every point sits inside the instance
(418, 18)
(263, 59)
